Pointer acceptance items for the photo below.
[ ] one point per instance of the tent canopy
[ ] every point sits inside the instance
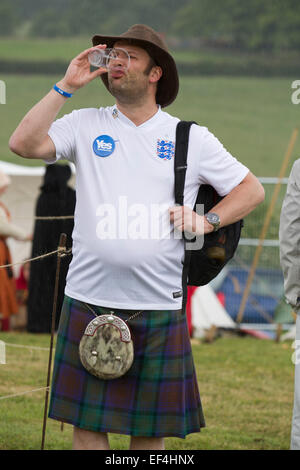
(207, 310)
(20, 199)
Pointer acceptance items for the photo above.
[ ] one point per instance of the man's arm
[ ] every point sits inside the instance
(30, 139)
(242, 200)
(233, 207)
(289, 237)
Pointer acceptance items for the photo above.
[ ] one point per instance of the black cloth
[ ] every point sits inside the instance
(55, 199)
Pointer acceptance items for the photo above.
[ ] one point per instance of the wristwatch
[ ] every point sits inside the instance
(213, 219)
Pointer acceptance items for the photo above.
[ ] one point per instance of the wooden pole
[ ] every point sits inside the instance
(266, 224)
(278, 333)
(61, 252)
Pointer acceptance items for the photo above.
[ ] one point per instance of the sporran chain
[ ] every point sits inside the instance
(112, 312)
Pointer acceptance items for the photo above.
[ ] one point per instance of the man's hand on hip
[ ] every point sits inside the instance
(185, 219)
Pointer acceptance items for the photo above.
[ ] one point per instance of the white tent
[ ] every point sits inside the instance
(207, 310)
(20, 199)
(289, 335)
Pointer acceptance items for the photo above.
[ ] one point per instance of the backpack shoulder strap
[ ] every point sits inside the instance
(180, 166)
(180, 163)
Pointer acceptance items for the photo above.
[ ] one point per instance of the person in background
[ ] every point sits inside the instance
(22, 283)
(289, 238)
(19, 322)
(8, 300)
(56, 199)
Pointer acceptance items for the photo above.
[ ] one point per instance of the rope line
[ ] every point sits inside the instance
(25, 346)
(58, 217)
(23, 393)
(54, 218)
(61, 250)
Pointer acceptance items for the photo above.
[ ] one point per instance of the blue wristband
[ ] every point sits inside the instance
(62, 92)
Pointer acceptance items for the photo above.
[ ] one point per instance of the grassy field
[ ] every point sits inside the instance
(63, 49)
(246, 384)
(246, 387)
(252, 117)
(42, 49)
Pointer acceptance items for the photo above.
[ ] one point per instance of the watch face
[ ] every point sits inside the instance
(213, 219)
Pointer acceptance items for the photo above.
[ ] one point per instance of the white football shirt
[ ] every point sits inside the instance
(126, 253)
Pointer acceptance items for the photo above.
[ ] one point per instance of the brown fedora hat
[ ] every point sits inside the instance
(145, 37)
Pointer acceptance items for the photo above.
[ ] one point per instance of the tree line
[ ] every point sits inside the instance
(250, 25)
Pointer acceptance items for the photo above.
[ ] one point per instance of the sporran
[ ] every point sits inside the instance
(106, 347)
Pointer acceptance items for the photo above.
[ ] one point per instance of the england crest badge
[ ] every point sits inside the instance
(165, 149)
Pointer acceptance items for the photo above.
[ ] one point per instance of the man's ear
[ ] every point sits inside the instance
(155, 74)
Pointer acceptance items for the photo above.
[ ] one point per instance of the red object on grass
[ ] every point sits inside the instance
(221, 297)
(5, 326)
(190, 292)
(21, 282)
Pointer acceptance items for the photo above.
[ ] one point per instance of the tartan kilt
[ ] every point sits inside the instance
(157, 397)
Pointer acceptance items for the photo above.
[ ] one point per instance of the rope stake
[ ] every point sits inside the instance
(60, 252)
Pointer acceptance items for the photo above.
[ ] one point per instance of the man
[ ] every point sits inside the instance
(57, 199)
(121, 169)
(289, 237)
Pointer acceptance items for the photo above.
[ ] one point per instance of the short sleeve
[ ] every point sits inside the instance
(217, 166)
(62, 132)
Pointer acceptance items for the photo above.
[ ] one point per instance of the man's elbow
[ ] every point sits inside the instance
(259, 194)
(255, 189)
(19, 148)
(16, 146)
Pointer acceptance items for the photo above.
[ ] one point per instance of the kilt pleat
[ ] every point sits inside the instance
(157, 397)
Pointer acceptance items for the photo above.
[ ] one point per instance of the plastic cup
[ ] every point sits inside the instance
(110, 58)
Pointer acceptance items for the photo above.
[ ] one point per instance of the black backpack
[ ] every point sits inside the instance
(202, 265)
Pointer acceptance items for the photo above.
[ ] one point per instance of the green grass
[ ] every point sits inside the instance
(65, 49)
(252, 117)
(246, 387)
(43, 49)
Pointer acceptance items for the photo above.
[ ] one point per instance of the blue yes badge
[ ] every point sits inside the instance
(104, 145)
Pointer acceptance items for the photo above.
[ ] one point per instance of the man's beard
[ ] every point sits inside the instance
(128, 89)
